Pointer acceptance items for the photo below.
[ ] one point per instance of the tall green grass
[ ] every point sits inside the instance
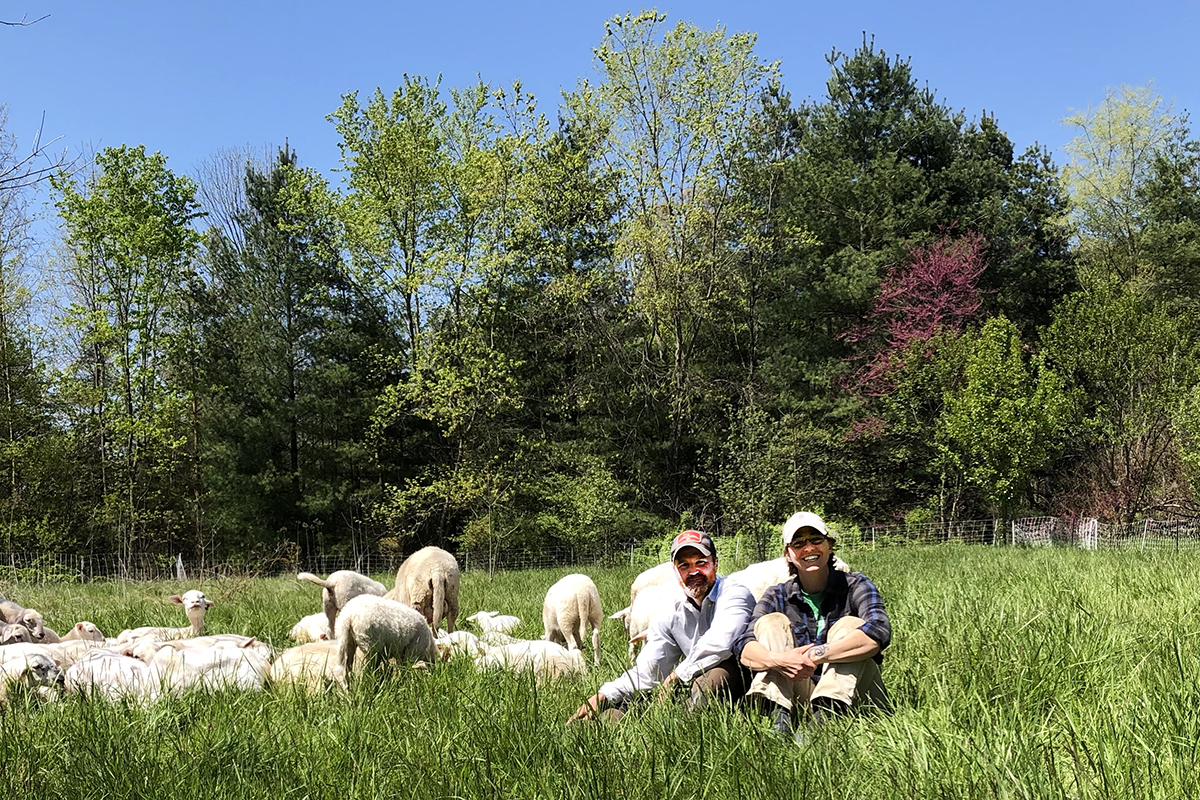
(1015, 674)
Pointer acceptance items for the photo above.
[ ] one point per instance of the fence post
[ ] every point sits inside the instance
(631, 546)
(872, 537)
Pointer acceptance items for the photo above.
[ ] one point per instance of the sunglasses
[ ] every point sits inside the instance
(799, 544)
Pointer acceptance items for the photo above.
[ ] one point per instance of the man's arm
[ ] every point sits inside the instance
(658, 656)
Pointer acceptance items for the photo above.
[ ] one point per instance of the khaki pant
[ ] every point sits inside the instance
(855, 683)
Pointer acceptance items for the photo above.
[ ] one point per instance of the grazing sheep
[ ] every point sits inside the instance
(14, 634)
(546, 660)
(311, 664)
(494, 621)
(382, 629)
(572, 606)
(340, 588)
(36, 671)
(637, 617)
(85, 631)
(428, 581)
(195, 605)
(15, 614)
(313, 628)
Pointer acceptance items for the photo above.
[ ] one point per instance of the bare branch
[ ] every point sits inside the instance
(24, 23)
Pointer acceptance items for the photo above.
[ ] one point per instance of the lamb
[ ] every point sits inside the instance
(765, 574)
(489, 621)
(637, 617)
(86, 631)
(457, 643)
(313, 628)
(428, 581)
(546, 660)
(382, 629)
(311, 664)
(14, 634)
(15, 614)
(195, 605)
(340, 588)
(572, 606)
(36, 671)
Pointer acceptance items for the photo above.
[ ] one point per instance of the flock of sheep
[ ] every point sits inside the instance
(362, 625)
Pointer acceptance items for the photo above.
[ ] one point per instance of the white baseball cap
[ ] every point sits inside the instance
(803, 519)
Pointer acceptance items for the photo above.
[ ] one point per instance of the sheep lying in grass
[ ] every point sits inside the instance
(113, 676)
(311, 665)
(210, 668)
(36, 672)
(14, 634)
(195, 605)
(494, 621)
(571, 607)
(64, 653)
(458, 643)
(637, 617)
(340, 588)
(313, 628)
(148, 649)
(428, 581)
(15, 614)
(546, 660)
(83, 631)
(382, 629)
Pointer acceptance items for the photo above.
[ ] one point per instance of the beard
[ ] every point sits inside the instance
(696, 587)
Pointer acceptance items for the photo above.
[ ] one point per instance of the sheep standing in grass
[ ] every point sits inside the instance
(637, 617)
(382, 629)
(659, 575)
(571, 607)
(340, 588)
(195, 605)
(428, 581)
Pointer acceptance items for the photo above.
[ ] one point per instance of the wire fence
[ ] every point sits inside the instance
(735, 551)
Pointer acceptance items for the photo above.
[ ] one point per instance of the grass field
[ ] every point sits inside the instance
(1015, 673)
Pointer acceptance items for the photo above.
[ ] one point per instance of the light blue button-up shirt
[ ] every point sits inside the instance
(687, 639)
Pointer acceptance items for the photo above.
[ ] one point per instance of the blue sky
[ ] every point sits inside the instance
(190, 78)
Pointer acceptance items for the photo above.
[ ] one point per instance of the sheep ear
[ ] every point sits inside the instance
(641, 637)
(78, 626)
(208, 603)
(176, 599)
(622, 614)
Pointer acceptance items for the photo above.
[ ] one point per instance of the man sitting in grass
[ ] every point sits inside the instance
(690, 642)
(815, 641)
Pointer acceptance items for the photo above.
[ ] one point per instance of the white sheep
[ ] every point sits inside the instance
(210, 668)
(457, 643)
(572, 606)
(113, 676)
(311, 664)
(546, 660)
(84, 631)
(659, 575)
(494, 621)
(36, 672)
(637, 617)
(428, 581)
(313, 628)
(382, 629)
(147, 649)
(195, 605)
(15, 614)
(340, 588)
(14, 634)
(765, 574)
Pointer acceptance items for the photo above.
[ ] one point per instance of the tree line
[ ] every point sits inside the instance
(681, 297)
